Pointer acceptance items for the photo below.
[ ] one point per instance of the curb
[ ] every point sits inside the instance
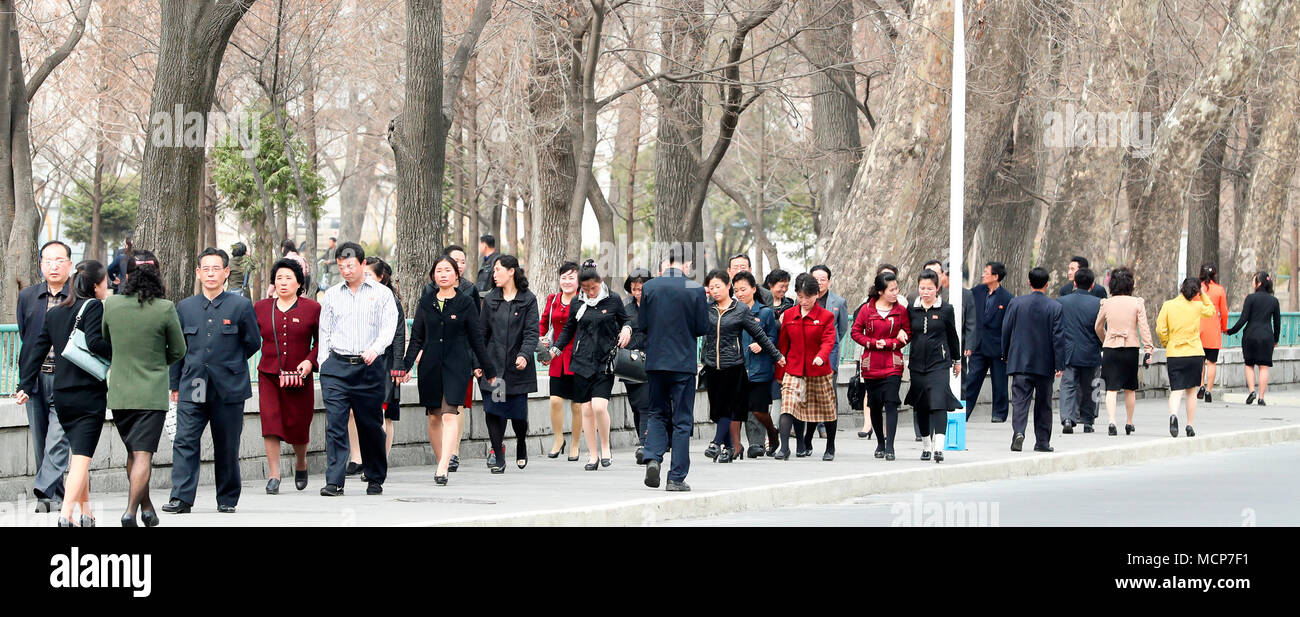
(644, 512)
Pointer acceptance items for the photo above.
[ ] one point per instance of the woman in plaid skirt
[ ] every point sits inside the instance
(807, 387)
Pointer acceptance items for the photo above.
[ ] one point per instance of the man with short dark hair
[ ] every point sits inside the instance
(487, 248)
(49, 444)
(1082, 354)
(741, 263)
(990, 300)
(1033, 348)
(1076, 263)
(211, 383)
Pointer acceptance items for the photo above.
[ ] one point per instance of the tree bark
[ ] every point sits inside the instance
(1180, 141)
(553, 160)
(680, 127)
(836, 142)
(1203, 203)
(903, 166)
(192, 43)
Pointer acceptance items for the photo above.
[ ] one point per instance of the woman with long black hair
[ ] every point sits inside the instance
(80, 398)
(935, 352)
(595, 327)
(1259, 311)
(508, 314)
(144, 330)
(446, 325)
(724, 365)
(882, 327)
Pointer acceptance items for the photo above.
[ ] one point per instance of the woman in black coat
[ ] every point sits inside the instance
(935, 352)
(638, 395)
(597, 325)
(79, 397)
(446, 324)
(1262, 318)
(508, 314)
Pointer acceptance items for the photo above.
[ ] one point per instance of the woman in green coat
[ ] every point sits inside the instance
(145, 333)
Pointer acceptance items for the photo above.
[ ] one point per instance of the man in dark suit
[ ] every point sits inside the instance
(211, 383)
(1082, 354)
(1034, 349)
(1077, 263)
(673, 314)
(990, 300)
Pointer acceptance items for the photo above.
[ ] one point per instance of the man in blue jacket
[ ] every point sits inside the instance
(990, 300)
(1079, 310)
(673, 314)
(211, 383)
(1034, 349)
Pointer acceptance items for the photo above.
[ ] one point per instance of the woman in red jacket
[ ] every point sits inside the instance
(555, 313)
(807, 384)
(883, 329)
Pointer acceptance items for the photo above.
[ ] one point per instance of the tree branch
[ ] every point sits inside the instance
(48, 66)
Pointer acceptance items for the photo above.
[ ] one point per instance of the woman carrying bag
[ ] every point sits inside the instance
(508, 312)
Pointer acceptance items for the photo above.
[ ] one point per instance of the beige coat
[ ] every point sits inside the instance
(1120, 320)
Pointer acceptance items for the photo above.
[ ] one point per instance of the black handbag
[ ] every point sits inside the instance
(857, 391)
(627, 364)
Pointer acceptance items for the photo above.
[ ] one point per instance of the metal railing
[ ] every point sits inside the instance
(849, 349)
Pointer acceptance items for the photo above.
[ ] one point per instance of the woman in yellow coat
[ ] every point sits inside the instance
(1179, 327)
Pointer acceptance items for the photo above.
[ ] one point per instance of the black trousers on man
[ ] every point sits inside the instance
(1025, 387)
(359, 388)
(227, 420)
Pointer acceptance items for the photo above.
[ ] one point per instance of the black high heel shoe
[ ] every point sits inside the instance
(300, 479)
(865, 434)
(128, 520)
(521, 463)
(1128, 429)
(557, 454)
(1190, 431)
(453, 464)
(1250, 398)
(713, 451)
(608, 460)
(63, 522)
(592, 466)
(1173, 426)
(87, 521)
(938, 456)
(889, 455)
(1112, 431)
(149, 518)
(440, 480)
(782, 455)
(727, 455)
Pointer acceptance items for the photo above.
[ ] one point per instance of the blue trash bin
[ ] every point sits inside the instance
(956, 431)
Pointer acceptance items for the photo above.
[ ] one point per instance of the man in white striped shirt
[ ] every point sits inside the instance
(357, 321)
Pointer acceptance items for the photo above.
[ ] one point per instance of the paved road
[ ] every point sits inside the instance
(1236, 487)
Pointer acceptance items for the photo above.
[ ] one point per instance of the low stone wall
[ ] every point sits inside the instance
(411, 442)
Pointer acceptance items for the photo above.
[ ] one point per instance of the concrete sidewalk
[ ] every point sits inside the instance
(558, 492)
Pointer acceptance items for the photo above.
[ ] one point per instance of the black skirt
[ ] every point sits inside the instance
(728, 393)
(1257, 351)
(1119, 368)
(82, 427)
(760, 396)
(140, 429)
(929, 391)
(883, 393)
(562, 387)
(515, 407)
(599, 385)
(1184, 371)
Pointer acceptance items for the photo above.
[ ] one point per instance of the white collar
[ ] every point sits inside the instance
(938, 302)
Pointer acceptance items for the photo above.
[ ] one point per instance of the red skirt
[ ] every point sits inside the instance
(286, 412)
(469, 395)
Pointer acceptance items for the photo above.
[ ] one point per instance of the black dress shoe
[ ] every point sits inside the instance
(63, 522)
(1200, 393)
(1209, 396)
(938, 456)
(829, 456)
(1261, 401)
(300, 479)
(782, 455)
(997, 420)
(176, 506)
(678, 487)
(727, 455)
(1087, 428)
(375, 488)
(226, 509)
(331, 490)
(128, 520)
(1173, 426)
(354, 468)
(87, 521)
(149, 518)
(1190, 431)
(754, 451)
(1250, 398)
(1112, 431)
(640, 455)
(925, 455)
(1038, 448)
(440, 480)
(652, 473)
(1067, 428)
(712, 451)
(606, 462)
(771, 450)
(593, 466)
(1128, 429)
(273, 486)
(889, 455)
(803, 453)
(880, 452)
(1017, 442)
(453, 464)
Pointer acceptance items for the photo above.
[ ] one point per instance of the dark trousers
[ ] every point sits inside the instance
(1079, 385)
(672, 408)
(638, 400)
(981, 365)
(359, 388)
(1025, 387)
(49, 444)
(227, 420)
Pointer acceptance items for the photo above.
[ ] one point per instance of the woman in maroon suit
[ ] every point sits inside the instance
(288, 322)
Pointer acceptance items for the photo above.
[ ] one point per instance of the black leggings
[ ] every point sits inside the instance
(931, 420)
(804, 432)
(497, 434)
(882, 399)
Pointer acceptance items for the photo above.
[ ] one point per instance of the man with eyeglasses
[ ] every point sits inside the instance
(49, 444)
(211, 383)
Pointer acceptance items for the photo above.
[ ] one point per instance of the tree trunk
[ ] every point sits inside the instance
(902, 167)
(680, 124)
(1261, 228)
(555, 168)
(1098, 134)
(836, 141)
(308, 124)
(472, 181)
(1180, 141)
(1203, 214)
(1255, 107)
(192, 43)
